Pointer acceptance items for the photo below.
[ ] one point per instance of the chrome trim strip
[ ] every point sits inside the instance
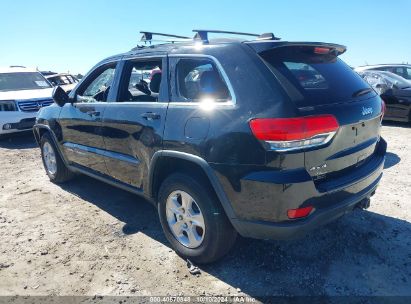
(80, 149)
(33, 104)
(143, 56)
(135, 102)
(34, 99)
(328, 138)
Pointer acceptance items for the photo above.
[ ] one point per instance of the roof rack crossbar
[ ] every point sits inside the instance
(148, 36)
(203, 34)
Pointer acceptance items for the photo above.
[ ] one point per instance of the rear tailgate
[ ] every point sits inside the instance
(354, 142)
(319, 83)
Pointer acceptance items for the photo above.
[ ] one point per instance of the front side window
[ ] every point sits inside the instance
(22, 81)
(98, 89)
(198, 79)
(408, 74)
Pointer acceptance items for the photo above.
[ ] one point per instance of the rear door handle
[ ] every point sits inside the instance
(93, 113)
(150, 116)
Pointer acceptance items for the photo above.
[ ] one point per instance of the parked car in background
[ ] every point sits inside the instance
(403, 70)
(66, 81)
(269, 139)
(23, 92)
(48, 73)
(394, 90)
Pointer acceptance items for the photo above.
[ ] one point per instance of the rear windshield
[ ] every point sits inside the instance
(22, 81)
(62, 80)
(314, 79)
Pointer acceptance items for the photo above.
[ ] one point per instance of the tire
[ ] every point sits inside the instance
(218, 236)
(60, 173)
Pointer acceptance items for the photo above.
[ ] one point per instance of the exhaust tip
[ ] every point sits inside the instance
(365, 203)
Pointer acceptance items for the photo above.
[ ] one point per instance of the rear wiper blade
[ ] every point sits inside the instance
(362, 92)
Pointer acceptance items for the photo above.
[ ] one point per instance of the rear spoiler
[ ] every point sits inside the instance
(261, 46)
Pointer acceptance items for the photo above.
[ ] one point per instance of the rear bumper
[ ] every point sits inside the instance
(298, 228)
(260, 199)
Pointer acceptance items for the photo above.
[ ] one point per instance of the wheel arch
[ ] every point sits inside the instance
(39, 130)
(166, 162)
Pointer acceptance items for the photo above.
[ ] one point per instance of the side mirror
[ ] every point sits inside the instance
(60, 96)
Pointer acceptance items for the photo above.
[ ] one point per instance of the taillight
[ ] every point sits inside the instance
(300, 212)
(295, 133)
(321, 50)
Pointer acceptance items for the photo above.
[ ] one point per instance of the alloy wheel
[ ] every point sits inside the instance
(185, 219)
(49, 157)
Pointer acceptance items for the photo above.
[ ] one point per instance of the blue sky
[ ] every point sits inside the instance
(73, 35)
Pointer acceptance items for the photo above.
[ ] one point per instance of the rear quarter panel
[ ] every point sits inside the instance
(229, 139)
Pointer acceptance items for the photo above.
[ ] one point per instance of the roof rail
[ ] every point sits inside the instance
(203, 34)
(148, 36)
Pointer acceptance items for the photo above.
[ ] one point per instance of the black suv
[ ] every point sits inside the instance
(265, 138)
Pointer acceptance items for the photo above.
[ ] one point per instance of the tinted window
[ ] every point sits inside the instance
(307, 75)
(199, 78)
(408, 74)
(313, 79)
(22, 81)
(99, 87)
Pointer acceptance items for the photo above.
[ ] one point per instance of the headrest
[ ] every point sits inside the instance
(211, 83)
(155, 82)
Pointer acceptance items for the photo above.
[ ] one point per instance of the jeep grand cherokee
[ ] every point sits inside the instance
(265, 138)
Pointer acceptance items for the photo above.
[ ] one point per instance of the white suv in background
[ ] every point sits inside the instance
(23, 92)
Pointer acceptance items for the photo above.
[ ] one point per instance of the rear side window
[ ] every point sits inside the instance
(142, 80)
(313, 79)
(198, 79)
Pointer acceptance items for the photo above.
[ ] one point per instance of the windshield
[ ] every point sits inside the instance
(396, 80)
(22, 81)
(62, 80)
(311, 77)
